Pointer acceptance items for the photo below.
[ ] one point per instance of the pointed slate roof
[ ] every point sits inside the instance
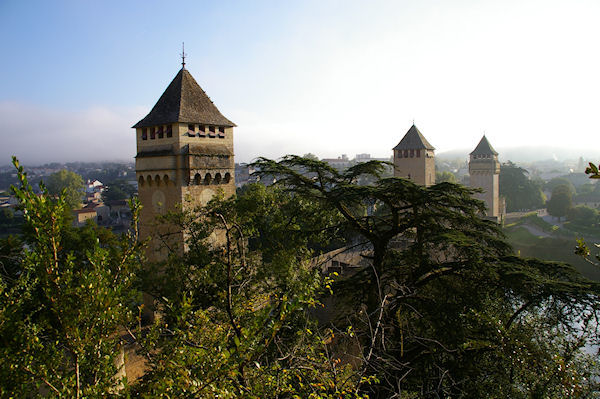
(413, 140)
(184, 101)
(484, 148)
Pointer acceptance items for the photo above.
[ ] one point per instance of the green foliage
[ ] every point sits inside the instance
(235, 313)
(449, 311)
(520, 192)
(67, 184)
(587, 188)
(311, 156)
(276, 221)
(560, 202)
(118, 190)
(552, 248)
(592, 170)
(9, 221)
(582, 249)
(445, 176)
(583, 215)
(563, 188)
(534, 220)
(6, 216)
(114, 193)
(443, 309)
(560, 181)
(64, 295)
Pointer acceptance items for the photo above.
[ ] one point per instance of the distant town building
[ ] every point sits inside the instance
(414, 158)
(339, 163)
(94, 186)
(484, 171)
(83, 215)
(120, 212)
(367, 157)
(9, 201)
(93, 197)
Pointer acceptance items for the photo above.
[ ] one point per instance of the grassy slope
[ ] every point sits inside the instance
(549, 248)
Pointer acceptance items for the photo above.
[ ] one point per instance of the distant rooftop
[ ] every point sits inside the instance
(184, 101)
(414, 140)
(484, 148)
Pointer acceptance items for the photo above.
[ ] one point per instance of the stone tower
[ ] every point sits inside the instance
(414, 158)
(484, 171)
(184, 156)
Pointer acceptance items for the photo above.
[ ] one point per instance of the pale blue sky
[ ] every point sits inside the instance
(327, 77)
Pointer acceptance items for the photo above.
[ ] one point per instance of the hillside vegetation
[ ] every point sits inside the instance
(442, 308)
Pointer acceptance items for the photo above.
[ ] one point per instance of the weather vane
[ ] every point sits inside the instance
(183, 54)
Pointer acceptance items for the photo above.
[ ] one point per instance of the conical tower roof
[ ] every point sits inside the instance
(484, 148)
(184, 101)
(413, 140)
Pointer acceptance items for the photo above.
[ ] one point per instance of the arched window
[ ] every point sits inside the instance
(217, 178)
(197, 179)
(141, 181)
(157, 180)
(207, 179)
(227, 178)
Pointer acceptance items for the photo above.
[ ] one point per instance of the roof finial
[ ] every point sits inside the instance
(413, 121)
(183, 54)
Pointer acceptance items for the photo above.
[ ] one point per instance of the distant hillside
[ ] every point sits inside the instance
(530, 154)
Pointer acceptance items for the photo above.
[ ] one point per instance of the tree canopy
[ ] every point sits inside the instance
(560, 202)
(520, 192)
(583, 215)
(438, 307)
(560, 181)
(449, 311)
(69, 182)
(445, 176)
(118, 190)
(64, 296)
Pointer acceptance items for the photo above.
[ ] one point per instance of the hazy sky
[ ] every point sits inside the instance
(327, 77)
